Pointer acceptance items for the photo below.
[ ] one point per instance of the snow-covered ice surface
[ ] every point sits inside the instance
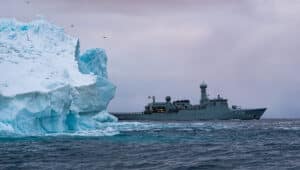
(46, 85)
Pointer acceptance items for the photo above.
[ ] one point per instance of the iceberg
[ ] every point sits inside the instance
(46, 85)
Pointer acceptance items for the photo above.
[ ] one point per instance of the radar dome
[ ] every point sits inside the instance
(168, 99)
(203, 85)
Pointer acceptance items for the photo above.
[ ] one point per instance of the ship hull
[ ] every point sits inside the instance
(194, 115)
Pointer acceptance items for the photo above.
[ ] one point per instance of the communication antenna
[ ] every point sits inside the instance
(152, 97)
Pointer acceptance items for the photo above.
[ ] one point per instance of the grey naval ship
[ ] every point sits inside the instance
(183, 110)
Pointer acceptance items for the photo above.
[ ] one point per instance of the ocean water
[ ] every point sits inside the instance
(263, 144)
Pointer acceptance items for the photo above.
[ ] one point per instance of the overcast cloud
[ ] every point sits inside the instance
(246, 50)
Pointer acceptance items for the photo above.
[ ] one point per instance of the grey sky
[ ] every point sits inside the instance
(246, 50)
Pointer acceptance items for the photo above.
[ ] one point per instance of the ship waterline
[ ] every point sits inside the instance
(193, 115)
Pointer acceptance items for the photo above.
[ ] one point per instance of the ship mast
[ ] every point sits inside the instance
(204, 97)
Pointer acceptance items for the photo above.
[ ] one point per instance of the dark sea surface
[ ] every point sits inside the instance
(263, 144)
